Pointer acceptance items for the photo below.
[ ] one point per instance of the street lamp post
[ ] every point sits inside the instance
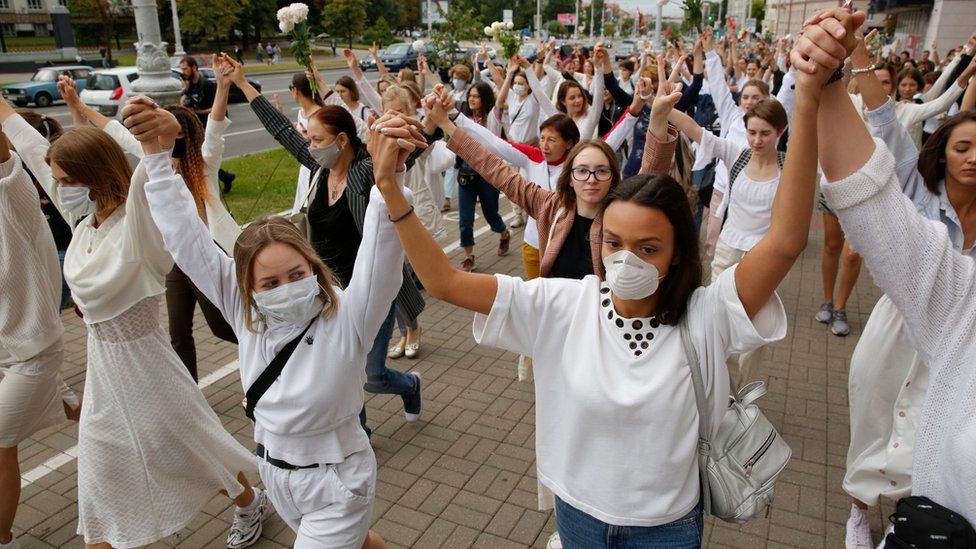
(538, 20)
(176, 30)
(576, 25)
(155, 79)
(592, 2)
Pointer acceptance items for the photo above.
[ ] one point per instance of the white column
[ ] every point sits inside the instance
(176, 30)
(155, 78)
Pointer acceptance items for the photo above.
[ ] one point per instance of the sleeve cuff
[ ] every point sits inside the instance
(765, 327)
(883, 115)
(487, 329)
(217, 126)
(864, 183)
(158, 165)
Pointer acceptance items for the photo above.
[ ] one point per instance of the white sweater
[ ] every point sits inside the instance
(31, 279)
(311, 413)
(914, 261)
(32, 148)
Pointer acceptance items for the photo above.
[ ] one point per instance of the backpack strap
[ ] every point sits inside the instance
(271, 373)
(704, 444)
(740, 164)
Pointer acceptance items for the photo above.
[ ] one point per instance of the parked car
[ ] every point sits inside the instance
(107, 90)
(402, 56)
(626, 49)
(42, 89)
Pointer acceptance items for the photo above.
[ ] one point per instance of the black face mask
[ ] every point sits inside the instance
(179, 148)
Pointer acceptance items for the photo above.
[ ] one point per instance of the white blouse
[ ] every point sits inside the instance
(616, 419)
(121, 262)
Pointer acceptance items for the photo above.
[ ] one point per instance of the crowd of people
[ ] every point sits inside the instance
(663, 199)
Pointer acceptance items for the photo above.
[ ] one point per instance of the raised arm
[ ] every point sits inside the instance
(352, 63)
(689, 95)
(496, 145)
(546, 107)
(379, 61)
(768, 262)
(33, 148)
(661, 140)
(920, 113)
(719, 90)
(940, 84)
(442, 280)
(18, 198)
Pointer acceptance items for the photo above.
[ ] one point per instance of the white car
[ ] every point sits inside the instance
(108, 89)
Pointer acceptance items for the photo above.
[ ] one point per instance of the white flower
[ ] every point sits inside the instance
(496, 25)
(300, 10)
(286, 26)
(418, 45)
(489, 31)
(509, 25)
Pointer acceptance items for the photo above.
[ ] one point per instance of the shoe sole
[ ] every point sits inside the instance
(407, 416)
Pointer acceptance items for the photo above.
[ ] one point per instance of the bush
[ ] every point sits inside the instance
(380, 32)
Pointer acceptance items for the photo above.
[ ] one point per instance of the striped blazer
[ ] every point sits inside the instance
(358, 185)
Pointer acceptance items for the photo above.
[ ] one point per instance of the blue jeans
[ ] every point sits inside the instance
(468, 196)
(450, 182)
(577, 530)
(379, 378)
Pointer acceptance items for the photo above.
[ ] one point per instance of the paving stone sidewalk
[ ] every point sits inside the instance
(464, 476)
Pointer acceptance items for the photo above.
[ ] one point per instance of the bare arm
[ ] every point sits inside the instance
(379, 62)
(357, 73)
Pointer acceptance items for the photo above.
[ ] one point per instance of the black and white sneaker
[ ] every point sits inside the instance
(413, 402)
(247, 527)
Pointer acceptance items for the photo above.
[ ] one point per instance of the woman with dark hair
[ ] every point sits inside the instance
(922, 258)
(349, 93)
(336, 208)
(574, 100)
(888, 377)
(612, 383)
(197, 156)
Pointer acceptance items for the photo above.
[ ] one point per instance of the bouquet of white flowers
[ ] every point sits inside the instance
(293, 19)
(504, 34)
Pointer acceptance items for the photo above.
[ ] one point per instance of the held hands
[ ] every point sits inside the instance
(222, 70)
(828, 38)
(437, 104)
(390, 141)
(69, 92)
(155, 128)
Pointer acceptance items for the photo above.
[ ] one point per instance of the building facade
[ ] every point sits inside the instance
(27, 17)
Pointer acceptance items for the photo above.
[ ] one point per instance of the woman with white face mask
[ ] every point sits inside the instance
(281, 298)
(342, 176)
(612, 379)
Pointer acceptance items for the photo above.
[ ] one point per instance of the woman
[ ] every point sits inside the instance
(597, 379)
(316, 460)
(33, 396)
(349, 92)
(887, 374)
(308, 103)
(137, 387)
(472, 187)
(574, 100)
(197, 157)
(917, 263)
(336, 209)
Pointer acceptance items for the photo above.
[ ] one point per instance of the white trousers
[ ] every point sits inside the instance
(328, 506)
(32, 394)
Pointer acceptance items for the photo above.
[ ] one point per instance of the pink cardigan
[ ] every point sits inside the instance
(543, 205)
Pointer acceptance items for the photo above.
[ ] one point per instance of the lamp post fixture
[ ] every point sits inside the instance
(155, 77)
(176, 30)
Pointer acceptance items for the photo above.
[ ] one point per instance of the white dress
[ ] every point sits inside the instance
(151, 451)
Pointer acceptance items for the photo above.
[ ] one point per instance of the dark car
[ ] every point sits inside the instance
(235, 95)
(400, 56)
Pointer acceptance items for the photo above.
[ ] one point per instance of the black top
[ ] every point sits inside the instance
(575, 259)
(59, 227)
(200, 95)
(334, 234)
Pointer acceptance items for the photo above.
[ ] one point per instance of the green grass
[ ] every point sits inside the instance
(274, 172)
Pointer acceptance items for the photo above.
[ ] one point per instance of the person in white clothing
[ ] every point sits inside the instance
(33, 395)
(136, 387)
(612, 383)
(886, 372)
(917, 262)
(316, 459)
(348, 91)
(572, 99)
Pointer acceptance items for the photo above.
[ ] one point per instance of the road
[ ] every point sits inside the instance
(246, 135)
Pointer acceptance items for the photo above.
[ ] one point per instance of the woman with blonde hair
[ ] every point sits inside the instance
(281, 298)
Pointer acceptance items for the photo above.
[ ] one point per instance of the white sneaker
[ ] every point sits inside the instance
(10, 545)
(859, 529)
(247, 527)
(554, 542)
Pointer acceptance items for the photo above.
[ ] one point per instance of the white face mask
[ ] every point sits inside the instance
(75, 200)
(629, 276)
(519, 89)
(293, 303)
(326, 156)
(459, 84)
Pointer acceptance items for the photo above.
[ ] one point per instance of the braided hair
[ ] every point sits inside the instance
(191, 165)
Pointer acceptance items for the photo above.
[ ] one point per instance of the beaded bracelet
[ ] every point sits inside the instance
(869, 68)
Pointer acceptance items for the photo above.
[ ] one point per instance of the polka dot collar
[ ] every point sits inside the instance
(637, 334)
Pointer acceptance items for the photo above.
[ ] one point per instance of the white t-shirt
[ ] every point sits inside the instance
(616, 420)
(750, 211)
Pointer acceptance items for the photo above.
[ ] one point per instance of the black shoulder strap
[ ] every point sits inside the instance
(271, 373)
(734, 171)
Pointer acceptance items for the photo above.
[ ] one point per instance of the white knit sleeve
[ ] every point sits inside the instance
(911, 258)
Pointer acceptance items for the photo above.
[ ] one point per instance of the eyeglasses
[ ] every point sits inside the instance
(601, 174)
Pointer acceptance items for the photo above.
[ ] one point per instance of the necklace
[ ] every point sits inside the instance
(335, 190)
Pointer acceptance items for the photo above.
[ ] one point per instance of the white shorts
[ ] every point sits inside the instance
(32, 394)
(328, 506)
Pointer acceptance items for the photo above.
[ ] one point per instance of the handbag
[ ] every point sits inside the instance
(271, 374)
(300, 218)
(920, 522)
(739, 467)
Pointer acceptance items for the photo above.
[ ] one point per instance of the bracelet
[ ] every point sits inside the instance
(402, 217)
(870, 68)
(838, 74)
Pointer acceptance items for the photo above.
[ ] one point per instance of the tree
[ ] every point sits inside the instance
(461, 23)
(258, 15)
(693, 16)
(759, 13)
(556, 28)
(390, 10)
(103, 15)
(380, 33)
(555, 7)
(201, 17)
(347, 18)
